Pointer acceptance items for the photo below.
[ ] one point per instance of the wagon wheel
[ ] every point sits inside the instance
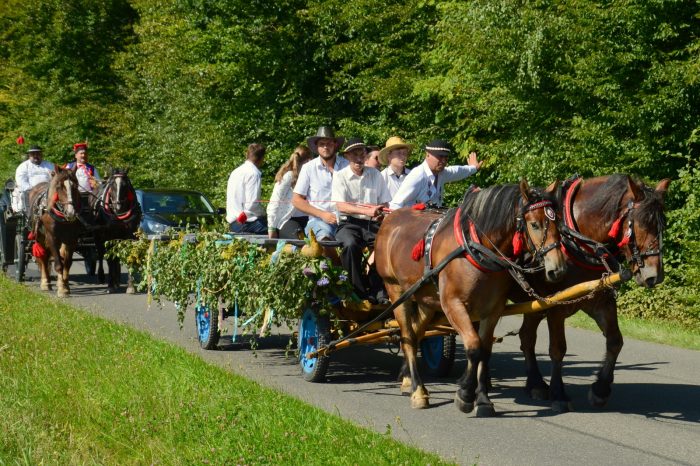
(314, 332)
(438, 354)
(207, 323)
(20, 254)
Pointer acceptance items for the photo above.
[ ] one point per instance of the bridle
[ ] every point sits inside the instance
(629, 238)
(108, 202)
(56, 209)
(537, 252)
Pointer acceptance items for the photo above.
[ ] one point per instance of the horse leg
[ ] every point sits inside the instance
(484, 406)
(43, 263)
(409, 346)
(606, 317)
(114, 275)
(100, 249)
(561, 402)
(535, 386)
(130, 289)
(62, 287)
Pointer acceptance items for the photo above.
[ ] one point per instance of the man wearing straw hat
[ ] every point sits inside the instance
(425, 183)
(361, 197)
(394, 155)
(312, 193)
(30, 173)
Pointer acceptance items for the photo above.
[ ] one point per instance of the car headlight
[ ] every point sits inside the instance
(154, 226)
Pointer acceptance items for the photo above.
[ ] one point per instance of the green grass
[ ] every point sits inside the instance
(76, 389)
(667, 333)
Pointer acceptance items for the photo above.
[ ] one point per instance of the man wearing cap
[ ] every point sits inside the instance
(394, 155)
(360, 195)
(30, 173)
(313, 190)
(244, 213)
(425, 182)
(87, 174)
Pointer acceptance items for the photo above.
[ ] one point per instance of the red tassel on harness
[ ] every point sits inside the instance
(55, 197)
(517, 243)
(130, 196)
(38, 250)
(615, 228)
(418, 250)
(242, 218)
(419, 206)
(31, 235)
(625, 239)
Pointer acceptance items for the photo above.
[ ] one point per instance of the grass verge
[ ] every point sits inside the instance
(667, 333)
(76, 389)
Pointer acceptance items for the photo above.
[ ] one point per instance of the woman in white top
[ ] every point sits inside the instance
(283, 220)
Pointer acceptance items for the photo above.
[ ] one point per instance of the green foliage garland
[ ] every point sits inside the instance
(216, 271)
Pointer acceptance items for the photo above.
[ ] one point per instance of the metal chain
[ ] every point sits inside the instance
(533, 294)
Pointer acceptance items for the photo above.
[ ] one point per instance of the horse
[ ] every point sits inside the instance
(117, 215)
(53, 214)
(596, 209)
(502, 222)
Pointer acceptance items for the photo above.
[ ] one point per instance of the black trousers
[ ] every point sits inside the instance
(291, 228)
(356, 234)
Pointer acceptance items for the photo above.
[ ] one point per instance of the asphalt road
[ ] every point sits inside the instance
(653, 417)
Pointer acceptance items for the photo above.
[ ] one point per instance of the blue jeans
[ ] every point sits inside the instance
(321, 229)
(256, 227)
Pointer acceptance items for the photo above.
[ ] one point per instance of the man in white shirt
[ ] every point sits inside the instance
(30, 173)
(361, 195)
(425, 182)
(313, 190)
(87, 175)
(243, 210)
(394, 156)
(372, 157)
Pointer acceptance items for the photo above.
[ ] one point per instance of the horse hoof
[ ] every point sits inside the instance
(45, 287)
(562, 406)
(463, 405)
(130, 290)
(112, 290)
(406, 386)
(538, 393)
(485, 410)
(420, 398)
(595, 400)
(63, 293)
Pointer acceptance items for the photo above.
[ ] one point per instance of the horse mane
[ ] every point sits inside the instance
(608, 198)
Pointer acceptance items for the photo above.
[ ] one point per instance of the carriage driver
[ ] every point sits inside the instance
(425, 182)
(360, 194)
(30, 173)
(88, 178)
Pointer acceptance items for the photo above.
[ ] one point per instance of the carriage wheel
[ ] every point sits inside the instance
(314, 332)
(438, 354)
(20, 255)
(207, 323)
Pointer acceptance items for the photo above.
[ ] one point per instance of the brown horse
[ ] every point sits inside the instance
(117, 214)
(53, 210)
(628, 219)
(468, 288)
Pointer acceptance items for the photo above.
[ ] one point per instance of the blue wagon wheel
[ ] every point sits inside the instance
(207, 322)
(438, 354)
(314, 332)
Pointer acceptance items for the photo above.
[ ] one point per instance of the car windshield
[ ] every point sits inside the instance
(173, 203)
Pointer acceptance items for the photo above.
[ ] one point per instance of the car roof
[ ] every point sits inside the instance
(170, 191)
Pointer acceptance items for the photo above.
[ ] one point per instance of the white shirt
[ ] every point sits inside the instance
(280, 208)
(29, 174)
(419, 185)
(243, 193)
(83, 175)
(315, 182)
(392, 180)
(368, 188)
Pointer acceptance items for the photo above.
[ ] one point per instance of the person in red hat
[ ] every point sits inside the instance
(88, 177)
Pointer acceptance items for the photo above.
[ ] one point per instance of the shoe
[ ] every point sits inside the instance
(382, 297)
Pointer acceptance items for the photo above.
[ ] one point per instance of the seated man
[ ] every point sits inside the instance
(243, 210)
(88, 177)
(360, 194)
(30, 173)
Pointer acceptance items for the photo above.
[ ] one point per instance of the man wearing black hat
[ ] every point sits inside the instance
(30, 173)
(312, 192)
(361, 195)
(425, 183)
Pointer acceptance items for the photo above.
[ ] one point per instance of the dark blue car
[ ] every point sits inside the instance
(177, 209)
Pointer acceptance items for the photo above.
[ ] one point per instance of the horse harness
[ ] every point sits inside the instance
(590, 254)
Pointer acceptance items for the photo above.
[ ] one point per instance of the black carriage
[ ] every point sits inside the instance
(16, 243)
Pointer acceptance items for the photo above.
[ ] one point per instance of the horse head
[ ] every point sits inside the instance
(642, 238)
(63, 199)
(118, 195)
(537, 225)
